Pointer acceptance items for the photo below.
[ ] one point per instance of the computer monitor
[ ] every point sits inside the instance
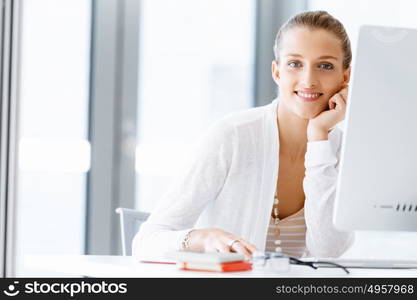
(377, 182)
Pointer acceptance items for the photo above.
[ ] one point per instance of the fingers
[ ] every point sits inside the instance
(344, 94)
(223, 248)
(240, 248)
(337, 102)
(332, 104)
(340, 102)
(334, 101)
(252, 248)
(220, 241)
(245, 248)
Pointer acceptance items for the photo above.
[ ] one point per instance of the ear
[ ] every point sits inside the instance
(275, 71)
(346, 75)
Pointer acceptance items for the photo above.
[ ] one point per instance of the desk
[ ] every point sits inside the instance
(127, 266)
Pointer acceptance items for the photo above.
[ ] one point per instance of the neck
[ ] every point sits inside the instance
(292, 134)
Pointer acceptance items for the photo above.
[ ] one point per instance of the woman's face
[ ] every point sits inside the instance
(309, 70)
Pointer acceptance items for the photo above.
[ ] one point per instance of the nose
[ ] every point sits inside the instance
(308, 78)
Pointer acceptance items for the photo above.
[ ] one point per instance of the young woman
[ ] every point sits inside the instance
(264, 179)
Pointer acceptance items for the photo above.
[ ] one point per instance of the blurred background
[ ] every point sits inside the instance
(113, 92)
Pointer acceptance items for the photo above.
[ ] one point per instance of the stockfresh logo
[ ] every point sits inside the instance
(12, 289)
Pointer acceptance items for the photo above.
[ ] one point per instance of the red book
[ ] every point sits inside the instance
(216, 267)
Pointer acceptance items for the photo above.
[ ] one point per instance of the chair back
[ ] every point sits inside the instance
(130, 221)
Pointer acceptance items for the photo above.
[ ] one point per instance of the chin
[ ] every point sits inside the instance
(306, 111)
(306, 114)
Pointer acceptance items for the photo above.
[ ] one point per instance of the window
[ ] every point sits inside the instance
(195, 65)
(54, 152)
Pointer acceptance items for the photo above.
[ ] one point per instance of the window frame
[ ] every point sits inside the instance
(112, 122)
(270, 15)
(10, 18)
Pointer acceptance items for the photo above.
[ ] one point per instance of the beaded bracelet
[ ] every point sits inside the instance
(185, 241)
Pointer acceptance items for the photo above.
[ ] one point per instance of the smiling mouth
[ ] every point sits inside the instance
(308, 96)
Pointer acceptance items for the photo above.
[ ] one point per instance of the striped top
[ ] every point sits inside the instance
(288, 236)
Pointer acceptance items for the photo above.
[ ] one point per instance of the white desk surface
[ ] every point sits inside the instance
(127, 266)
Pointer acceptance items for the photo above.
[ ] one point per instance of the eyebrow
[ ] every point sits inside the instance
(321, 57)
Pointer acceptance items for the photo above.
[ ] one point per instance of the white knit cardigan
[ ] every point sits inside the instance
(230, 183)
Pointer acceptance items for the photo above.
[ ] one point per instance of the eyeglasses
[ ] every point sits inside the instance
(280, 262)
(271, 260)
(317, 264)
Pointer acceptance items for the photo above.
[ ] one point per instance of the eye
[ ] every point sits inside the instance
(294, 64)
(326, 66)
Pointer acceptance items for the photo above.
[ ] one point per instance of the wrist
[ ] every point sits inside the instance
(193, 241)
(185, 243)
(317, 134)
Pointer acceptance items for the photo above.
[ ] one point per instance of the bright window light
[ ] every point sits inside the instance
(54, 155)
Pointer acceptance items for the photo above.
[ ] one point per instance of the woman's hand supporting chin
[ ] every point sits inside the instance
(318, 127)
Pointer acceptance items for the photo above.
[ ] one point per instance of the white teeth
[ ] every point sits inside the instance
(309, 95)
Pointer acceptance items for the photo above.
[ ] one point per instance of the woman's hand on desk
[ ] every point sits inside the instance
(214, 239)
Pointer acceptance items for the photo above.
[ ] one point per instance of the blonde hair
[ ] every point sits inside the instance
(317, 20)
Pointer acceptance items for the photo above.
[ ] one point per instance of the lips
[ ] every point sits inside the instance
(308, 95)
